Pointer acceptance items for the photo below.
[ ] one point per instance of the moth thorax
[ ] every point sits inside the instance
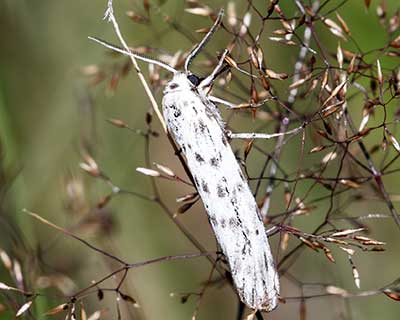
(181, 82)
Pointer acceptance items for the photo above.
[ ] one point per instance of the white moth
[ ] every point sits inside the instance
(198, 129)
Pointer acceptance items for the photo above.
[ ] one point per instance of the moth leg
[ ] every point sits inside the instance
(254, 135)
(221, 101)
(241, 105)
(178, 151)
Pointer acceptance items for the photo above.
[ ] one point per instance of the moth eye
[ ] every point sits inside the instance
(195, 80)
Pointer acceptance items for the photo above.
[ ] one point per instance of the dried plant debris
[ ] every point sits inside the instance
(300, 76)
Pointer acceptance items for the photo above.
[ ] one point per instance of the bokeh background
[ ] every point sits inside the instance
(49, 110)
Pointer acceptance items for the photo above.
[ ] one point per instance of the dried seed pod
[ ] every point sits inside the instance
(148, 172)
(200, 11)
(58, 309)
(23, 308)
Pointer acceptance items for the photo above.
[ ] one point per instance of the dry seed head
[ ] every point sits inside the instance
(24, 308)
(231, 14)
(336, 291)
(165, 169)
(245, 24)
(118, 123)
(328, 254)
(5, 259)
(339, 56)
(284, 241)
(200, 11)
(3, 286)
(395, 43)
(394, 22)
(148, 172)
(380, 77)
(334, 28)
(380, 9)
(95, 315)
(274, 75)
(18, 273)
(393, 140)
(90, 166)
(348, 250)
(137, 18)
(329, 157)
(58, 309)
(187, 197)
(90, 70)
(343, 233)
(317, 149)
(343, 24)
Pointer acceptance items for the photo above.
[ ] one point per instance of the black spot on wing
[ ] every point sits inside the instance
(198, 157)
(247, 247)
(266, 261)
(204, 186)
(202, 127)
(213, 220)
(224, 141)
(214, 162)
(223, 223)
(173, 85)
(253, 294)
(221, 191)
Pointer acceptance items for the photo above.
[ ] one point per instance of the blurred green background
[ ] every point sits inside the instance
(48, 111)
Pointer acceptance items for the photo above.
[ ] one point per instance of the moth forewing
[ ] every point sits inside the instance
(196, 125)
(198, 129)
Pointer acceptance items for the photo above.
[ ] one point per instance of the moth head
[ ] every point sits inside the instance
(181, 82)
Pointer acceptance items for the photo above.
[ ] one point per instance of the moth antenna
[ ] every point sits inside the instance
(203, 42)
(137, 55)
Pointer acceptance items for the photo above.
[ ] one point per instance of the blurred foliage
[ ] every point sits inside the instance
(50, 114)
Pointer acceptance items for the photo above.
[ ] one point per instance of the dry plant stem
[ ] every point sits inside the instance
(273, 169)
(126, 266)
(109, 15)
(170, 214)
(202, 292)
(377, 176)
(302, 53)
(137, 265)
(41, 219)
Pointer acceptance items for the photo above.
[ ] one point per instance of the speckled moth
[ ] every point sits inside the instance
(197, 127)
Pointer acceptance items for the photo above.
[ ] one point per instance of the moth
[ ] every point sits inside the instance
(195, 123)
